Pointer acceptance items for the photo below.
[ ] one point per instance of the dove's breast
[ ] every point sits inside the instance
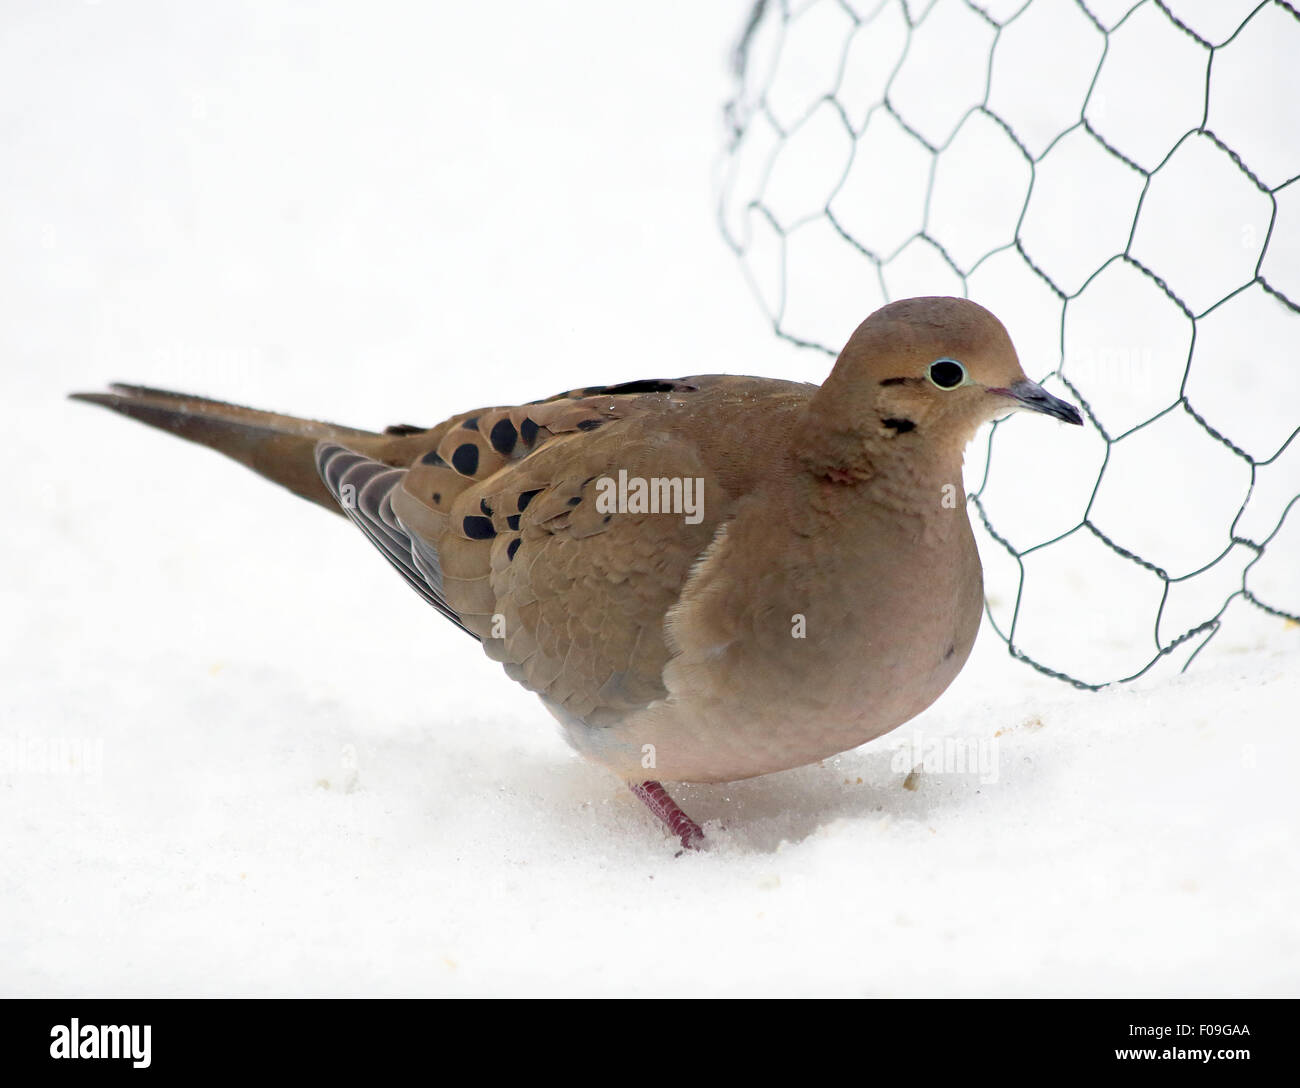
(789, 648)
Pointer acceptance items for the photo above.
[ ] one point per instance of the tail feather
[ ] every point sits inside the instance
(279, 447)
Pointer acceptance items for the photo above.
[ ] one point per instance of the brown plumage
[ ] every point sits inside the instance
(810, 585)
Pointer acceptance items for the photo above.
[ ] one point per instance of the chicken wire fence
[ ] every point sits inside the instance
(1117, 181)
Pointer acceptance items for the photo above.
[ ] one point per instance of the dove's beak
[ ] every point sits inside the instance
(1035, 398)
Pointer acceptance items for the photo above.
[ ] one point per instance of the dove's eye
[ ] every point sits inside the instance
(947, 373)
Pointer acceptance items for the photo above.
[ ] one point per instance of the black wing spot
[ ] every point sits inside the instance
(528, 431)
(432, 458)
(590, 424)
(437, 496)
(511, 548)
(503, 436)
(575, 500)
(404, 429)
(465, 459)
(645, 385)
(470, 424)
(482, 505)
(525, 497)
(477, 528)
(513, 522)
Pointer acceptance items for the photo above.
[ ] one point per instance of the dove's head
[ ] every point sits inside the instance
(934, 369)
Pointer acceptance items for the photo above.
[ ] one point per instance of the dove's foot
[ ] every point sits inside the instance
(656, 799)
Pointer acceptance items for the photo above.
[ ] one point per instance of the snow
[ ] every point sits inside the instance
(238, 757)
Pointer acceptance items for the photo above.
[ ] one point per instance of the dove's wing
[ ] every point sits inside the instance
(561, 532)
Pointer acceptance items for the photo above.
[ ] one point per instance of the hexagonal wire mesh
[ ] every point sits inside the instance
(1117, 181)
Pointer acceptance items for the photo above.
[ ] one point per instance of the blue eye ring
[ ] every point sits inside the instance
(946, 374)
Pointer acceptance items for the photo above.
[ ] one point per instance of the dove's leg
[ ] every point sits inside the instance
(656, 799)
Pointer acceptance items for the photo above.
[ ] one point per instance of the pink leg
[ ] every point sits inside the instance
(656, 799)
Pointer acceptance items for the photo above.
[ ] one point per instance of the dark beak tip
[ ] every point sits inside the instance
(1067, 413)
(1033, 396)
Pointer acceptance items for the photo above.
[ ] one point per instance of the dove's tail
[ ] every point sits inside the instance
(279, 447)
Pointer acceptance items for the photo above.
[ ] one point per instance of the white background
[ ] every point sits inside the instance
(311, 785)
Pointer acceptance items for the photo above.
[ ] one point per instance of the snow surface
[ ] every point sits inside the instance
(237, 756)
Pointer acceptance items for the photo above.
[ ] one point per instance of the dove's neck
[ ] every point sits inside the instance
(856, 473)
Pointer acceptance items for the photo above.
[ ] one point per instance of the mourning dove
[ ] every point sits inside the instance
(704, 578)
